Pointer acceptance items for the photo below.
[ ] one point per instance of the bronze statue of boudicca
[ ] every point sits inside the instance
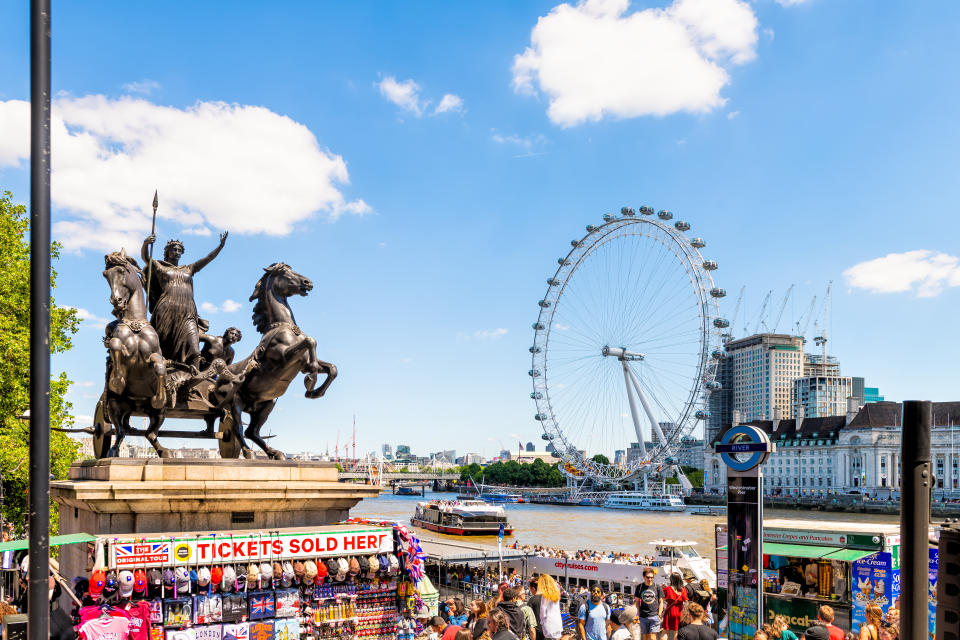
(172, 366)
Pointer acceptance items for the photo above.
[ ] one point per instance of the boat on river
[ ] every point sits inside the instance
(461, 518)
(644, 501)
(619, 576)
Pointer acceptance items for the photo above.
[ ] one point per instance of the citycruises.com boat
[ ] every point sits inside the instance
(501, 497)
(461, 518)
(644, 501)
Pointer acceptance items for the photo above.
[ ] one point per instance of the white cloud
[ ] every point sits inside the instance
(405, 95)
(143, 86)
(449, 102)
(560, 326)
(90, 320)
(229, 306)
(524, 142)
(791, 3)
(732, 115)
(594, 59)
(209, 307)
(922, 271)
(84, 383)
(217, 165)
(484, 334)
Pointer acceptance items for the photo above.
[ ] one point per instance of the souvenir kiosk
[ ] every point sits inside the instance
(352, 580)
(806, 564)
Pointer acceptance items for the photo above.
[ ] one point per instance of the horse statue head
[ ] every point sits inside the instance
(126, 286)
(273, 288)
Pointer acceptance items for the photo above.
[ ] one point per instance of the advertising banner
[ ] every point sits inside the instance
(744, 555)
(873, 583)
(932, 592)
(242, 548)
(801, 613)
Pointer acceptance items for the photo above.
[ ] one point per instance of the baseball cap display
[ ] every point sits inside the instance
(203, 577)
(277, 570)
(266, 571)
(183, 580)
(125, 584)
(354, 566)
(286, 577)
(140, 581)
(321, 570)
(97, 581)
(229, 579)
(216, 575)
(253, 573)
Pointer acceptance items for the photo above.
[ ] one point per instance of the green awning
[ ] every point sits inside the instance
(55, 541)
(848, 555)
(797, 550)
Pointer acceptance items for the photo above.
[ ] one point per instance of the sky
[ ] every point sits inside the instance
(425, 164)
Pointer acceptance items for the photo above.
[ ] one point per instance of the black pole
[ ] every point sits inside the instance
(915, 517)
(38, 622)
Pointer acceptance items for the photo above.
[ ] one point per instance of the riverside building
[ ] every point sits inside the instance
(855, 452)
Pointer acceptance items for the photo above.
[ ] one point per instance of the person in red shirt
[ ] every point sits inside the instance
(825, 615)
(674, 595)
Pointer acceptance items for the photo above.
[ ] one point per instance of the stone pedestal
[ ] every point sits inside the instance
(122, 496)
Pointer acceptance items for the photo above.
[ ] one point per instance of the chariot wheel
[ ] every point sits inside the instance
(102, 430)
(227, 439)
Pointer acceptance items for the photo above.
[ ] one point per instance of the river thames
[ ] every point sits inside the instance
(573, 528)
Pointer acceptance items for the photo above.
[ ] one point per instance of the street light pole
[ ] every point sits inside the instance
(38, 622)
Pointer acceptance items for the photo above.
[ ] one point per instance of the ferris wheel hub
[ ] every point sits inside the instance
(621, 354)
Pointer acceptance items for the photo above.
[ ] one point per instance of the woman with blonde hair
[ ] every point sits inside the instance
(551, 622)
(871, 630)
(781, 629)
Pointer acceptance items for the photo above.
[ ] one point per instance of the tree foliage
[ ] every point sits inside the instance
(512, 473)
(15, 366)
(601, 459)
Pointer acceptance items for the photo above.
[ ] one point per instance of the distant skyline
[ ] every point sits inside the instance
(426, 165)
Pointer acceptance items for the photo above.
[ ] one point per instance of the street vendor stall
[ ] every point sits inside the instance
(352, 580)
(806, 564)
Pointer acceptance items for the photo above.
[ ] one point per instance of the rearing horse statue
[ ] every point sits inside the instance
(283, 352)
(136, 373)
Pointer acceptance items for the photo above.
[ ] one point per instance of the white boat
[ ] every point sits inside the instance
(644, 501)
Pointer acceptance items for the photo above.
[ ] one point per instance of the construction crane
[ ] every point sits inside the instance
(763, 310)
(783, 305)
(821, 339)
(802, 332)
(728, 335)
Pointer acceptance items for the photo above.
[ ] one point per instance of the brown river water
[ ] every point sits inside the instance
(573, 528)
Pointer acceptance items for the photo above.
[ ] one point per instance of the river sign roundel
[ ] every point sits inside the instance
(744, 447)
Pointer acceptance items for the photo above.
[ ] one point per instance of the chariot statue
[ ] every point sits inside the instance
(172, 366)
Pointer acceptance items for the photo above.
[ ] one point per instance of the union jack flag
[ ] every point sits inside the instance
(262, 605)
(136, 553)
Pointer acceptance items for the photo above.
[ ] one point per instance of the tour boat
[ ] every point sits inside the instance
(461, 518)
(644, 501)
(501, 497)
(404, 490)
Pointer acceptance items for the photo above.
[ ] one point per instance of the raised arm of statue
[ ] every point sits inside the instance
(144, 250)
(204, 261)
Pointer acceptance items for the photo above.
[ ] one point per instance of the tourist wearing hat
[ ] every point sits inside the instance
(618, 625)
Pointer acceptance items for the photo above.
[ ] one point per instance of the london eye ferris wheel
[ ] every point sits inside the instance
(627, 345)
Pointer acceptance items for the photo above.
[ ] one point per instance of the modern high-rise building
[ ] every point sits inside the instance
(635, 453)
(387, 452)
(403, 451)
(530, 447)
(619, 457)
(822, 395)
(764, 368)
(871, 394)
(720, 403)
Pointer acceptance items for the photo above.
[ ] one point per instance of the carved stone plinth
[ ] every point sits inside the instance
(122, 496)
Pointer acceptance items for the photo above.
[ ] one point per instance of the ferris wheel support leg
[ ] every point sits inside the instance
(654, 425)
(627, 376)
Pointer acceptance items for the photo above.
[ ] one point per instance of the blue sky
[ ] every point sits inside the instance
(426, 173)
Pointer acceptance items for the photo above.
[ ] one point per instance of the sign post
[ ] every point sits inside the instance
(500, 550)
(744, 449)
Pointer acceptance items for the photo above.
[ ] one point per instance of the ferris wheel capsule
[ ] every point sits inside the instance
(709, 265)
(716, 354)
(576, 243)
(721, 323)
(645, 210)
(682, 225)
(536, 349)
(712, 385)
(538, 326)
(717, 292)
(539, 416)
(665, 214)
(534, 373)
(700, 414)
(627, 211)
(536, 395)
(608, 217)
(563, 262)
(545, 304)
(553, 282)
(591, 228)
(698, 243)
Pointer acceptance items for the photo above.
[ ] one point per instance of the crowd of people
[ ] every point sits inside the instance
(684, 609)
(588, 555)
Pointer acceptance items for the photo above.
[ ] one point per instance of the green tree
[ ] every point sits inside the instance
(15, 367)
(601, 459)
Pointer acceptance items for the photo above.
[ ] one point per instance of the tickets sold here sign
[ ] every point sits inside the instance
(214, 549)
